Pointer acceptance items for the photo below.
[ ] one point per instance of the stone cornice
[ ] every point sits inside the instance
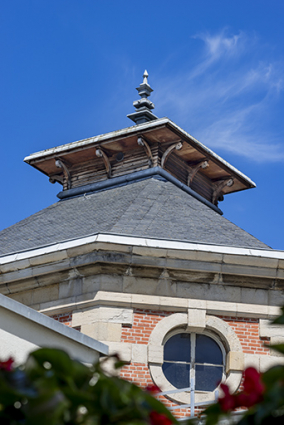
(138, 257)
(123, 240)
(163, 303)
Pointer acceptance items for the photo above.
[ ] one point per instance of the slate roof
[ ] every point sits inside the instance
(149, 208)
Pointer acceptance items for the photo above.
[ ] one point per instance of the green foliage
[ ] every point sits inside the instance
(279, 320)
(271, 409)
(53, 389)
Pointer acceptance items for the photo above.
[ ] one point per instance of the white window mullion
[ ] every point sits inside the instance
(192, 357)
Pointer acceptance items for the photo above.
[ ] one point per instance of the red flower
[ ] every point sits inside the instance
(247, 400)
(253, 388)
(152, 389)
(7, 365)
(227, 402)
(252, 393)
(252, 381)
(159, 419)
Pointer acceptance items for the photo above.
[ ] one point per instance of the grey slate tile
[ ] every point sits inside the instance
(150, 208)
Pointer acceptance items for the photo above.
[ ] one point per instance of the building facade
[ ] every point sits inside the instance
(136, 254)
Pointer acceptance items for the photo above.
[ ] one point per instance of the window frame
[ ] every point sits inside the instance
(207, 333)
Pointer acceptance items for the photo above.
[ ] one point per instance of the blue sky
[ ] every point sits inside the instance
(70, 68)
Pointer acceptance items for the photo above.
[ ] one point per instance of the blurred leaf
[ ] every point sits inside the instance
(119, 364)
(46, 409)
(59, 360)
(278, 347)
(279, 320)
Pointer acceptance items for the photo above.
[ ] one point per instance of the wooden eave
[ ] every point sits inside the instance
(161, 131)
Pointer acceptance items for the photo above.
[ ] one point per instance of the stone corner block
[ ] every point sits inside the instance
(124, 350)
(266, 362)
(155, 354)
(235, 361)
(196, 319)
(251, 360)
(197, 304)
(274, 340)
(266, 329)
(103, 331)
(139, 353)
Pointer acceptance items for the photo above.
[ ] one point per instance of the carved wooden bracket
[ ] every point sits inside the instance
(142, 142)
(101, 154)
(219, 186)
(202, 164)
(56, 178)
(166, 154)
(60, 164)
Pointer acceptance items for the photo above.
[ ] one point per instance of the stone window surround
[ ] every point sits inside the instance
(203, 324)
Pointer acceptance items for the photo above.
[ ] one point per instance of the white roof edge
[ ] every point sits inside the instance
(143, 242)
(94, 139)
(39, 318)
(231, 167)
(129, 130)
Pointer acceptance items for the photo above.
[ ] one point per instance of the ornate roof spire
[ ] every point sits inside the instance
(144, 105)
(145, 77)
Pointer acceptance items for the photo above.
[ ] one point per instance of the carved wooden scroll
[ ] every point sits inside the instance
(101, 154)
(219, 186)
(166, 154)
(142, 142)
(61, 164)
(202, 164)
(56, 178)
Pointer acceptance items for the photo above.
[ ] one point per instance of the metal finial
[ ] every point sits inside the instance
(145, 77)
(144, 105)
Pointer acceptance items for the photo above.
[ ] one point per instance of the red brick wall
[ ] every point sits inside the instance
(140, 375)
(137, 373)
(65, 318)
(247, 330)
(144, 321)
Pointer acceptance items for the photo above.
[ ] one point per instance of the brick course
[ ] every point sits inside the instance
(144, 321)
(247, 330)
(65, 318)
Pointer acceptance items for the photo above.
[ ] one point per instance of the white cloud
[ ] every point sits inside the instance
(233, 135)
(220, 44)
(225, 100)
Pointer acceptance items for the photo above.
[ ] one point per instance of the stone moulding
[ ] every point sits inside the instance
(164, 273)
(242, 255)
(180, 262)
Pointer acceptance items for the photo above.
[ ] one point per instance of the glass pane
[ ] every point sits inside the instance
(207, 378)
(177, 348)
(177, 374)
(207, 350)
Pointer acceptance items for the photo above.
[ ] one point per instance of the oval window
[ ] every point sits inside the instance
(193, 358)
